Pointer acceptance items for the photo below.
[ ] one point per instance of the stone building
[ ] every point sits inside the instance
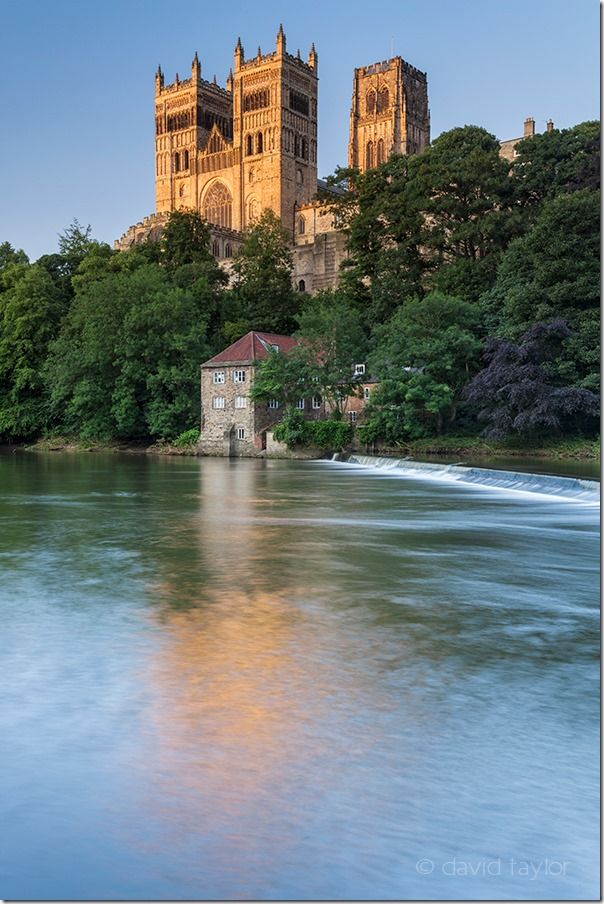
(508, 147)
(232, 152)
(231, 424)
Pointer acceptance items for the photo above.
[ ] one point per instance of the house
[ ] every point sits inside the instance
(231, 423)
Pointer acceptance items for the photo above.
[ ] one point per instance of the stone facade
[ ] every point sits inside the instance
(389, 114)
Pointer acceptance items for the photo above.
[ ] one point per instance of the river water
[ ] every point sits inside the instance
(247, 679)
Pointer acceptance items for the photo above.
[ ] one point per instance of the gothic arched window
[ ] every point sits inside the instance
(227, 250)
(370, 101)
(249, 146)
(380, 151)
(301, 286)
(301, 225)
(259, 143)
(176, 162)
(185, 160)
(218, 205)
(369, 155)
(383, 100)
(216, 248)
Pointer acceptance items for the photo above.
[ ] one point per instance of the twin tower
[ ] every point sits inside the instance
(233, 152)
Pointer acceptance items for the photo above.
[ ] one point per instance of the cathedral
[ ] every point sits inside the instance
(233, 152)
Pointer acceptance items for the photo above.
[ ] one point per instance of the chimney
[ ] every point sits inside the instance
(529, 127)
(550, 125)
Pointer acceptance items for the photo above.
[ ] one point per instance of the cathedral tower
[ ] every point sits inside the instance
(389, 113)
(275, 126)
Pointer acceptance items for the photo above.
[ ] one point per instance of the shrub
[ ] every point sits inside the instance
(294, 430)
(187, 438)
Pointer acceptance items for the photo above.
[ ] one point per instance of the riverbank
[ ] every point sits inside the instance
(577, 448)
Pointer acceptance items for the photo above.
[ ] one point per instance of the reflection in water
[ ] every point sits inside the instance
(279, 680)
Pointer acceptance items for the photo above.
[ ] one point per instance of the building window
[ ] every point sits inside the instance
(259, 143)
(176, 162)
(301, 286)
(380, 151)
(273, 404)
(353, 417)
(249, 146)
(275, 348)
(218, 402)
(301, 404)
(240, 401)
(383, 100)
(227, 250)
(370, 102)
(366, 392)
(240, 433)
(218, 205)
(301, 225)
(185, 160)
(216, 248)
(218, 376)
(369, 155)
(238, 376)
(316, 402)
(359, 369)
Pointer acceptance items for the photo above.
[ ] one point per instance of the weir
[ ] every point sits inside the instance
(571, 488)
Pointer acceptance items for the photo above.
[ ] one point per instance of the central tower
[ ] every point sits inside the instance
(275, 126)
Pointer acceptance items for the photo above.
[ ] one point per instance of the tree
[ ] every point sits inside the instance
(185, 240)
(423, 357)
(263, 295)
(517, 393)
(330, 342)
(554, 271)
(126, 364)
(31, 308)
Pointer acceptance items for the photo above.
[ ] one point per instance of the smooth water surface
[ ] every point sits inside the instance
(247, 679)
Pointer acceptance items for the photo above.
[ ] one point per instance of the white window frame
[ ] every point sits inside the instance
(353, 417)
(238, 376)
(240, 432)
(240, 401)
(366, 393)
(273, 404)
(301, 404)
(218, 377)
(359, 370)
(218, 403)
(317, 402)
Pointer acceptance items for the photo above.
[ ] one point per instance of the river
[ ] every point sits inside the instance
(280, 679)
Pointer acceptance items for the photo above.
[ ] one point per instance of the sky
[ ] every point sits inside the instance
(76, 84)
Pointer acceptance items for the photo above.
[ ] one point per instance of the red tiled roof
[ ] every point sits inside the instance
(252, 347)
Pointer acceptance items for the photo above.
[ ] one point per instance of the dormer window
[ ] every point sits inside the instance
(275, 348)
(359, 370)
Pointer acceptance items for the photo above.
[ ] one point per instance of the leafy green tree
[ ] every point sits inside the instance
(330, 342)
(555, 162)
(554, 271)
(9, 255)
(263, 296)
(126, 364)
(31, 308)
(185, 240)
(423, 357)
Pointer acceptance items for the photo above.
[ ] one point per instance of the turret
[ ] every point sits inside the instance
(313, 59)
(239, 55)
(280, 42)
(196, 69)
(229, 82)
(159, 79)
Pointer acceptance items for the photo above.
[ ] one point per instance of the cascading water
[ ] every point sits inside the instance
(571, 488)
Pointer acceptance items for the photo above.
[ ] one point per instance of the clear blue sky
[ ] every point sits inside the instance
(76, 84)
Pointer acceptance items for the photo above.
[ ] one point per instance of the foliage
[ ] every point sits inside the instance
(422, 359)
(329, 435)
(185, 240)
(187, 438)
(554, 271)
(115, 371)
(263, 295)
(516, 392)
(330, 342)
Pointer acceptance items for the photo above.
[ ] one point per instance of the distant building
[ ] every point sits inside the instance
(508, 148)
(232, 152)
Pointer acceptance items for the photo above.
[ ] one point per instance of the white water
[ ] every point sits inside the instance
(571, 488)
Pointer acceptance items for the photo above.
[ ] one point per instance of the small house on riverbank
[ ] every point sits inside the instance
(234, 425)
